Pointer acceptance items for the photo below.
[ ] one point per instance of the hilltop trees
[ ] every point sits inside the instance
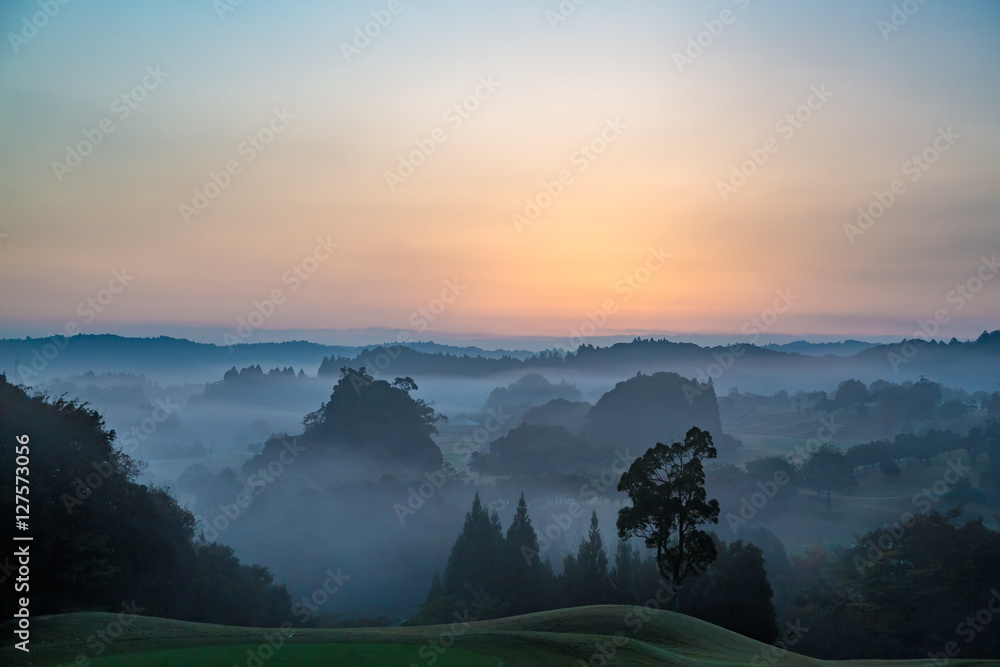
(101, 538)
(669, 503)
(647, 408)
(377, 420)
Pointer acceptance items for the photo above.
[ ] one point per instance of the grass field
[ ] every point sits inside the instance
(602, 635)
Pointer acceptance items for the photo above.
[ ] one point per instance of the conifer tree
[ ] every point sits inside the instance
(473, 578)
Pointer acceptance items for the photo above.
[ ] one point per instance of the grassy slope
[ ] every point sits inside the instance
(562, 637)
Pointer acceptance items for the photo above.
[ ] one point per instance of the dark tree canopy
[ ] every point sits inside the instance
(827, 471)
(376, 419)
(109, 539)
(653, 408)
(522, 565)
(734, 593)
(667, 488)
(850, 393)
(537, 448)
(473, 579)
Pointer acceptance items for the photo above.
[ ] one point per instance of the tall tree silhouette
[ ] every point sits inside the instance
(585, 576)
(527, 578)
(473, 579)
(667, 488)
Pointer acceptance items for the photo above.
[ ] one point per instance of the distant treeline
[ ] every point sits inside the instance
(31, 359)
(400, 359)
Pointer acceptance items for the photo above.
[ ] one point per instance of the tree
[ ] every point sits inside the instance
(107, 538)
(585, 576)
(924, 397)
(850, 393)
(377, 419)
(537, 448)
(667, 488)
(526, 578)
(993, 407)
(625, 584)
(889, 468)
(645, 408)
(954, 409)
(473, 578)
(734, 593)
(827, 471)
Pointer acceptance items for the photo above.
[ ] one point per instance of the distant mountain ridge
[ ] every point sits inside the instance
(842, 348)
(972, 364)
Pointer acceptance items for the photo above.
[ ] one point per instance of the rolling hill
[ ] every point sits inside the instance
(599, 635)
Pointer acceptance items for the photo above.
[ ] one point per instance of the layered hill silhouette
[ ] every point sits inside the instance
(971, 364)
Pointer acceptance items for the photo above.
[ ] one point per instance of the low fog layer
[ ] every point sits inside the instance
(558, 428)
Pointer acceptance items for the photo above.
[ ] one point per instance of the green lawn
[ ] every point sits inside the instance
(301, 655)
(607, 634)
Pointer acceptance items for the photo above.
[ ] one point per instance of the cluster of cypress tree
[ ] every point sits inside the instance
(490, 575)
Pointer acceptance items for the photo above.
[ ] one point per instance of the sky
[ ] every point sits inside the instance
(499, 169)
